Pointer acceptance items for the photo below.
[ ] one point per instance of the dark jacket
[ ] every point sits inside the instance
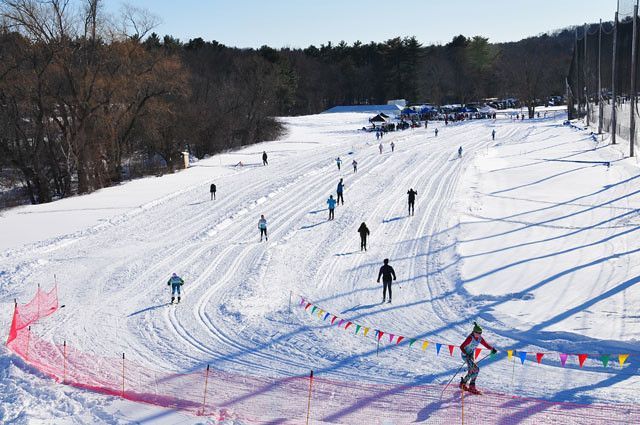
(212, 188)
(340, 187)
(363, 230)
(412, 195)
(386, 272)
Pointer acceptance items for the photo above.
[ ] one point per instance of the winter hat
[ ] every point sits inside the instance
(477, 328)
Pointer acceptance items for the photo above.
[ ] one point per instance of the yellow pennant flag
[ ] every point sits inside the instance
(622, 358)
(425, 344)
(509, 354)
(366, 331)
(320, 313)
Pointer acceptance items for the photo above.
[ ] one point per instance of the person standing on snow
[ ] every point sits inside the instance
(262, 225)
(364, 232)
(339, 191)
(331, 203)
(264, 158)
(380, 147)
(355, 166)
(468, 348)
(493, 134)
(460, 152)
(338, 162)
(393, 146)
(175, 282)
(436, 132)
(387, 272)
(412, 200)
(212, 189)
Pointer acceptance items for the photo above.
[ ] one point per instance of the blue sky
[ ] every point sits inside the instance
(300, 23)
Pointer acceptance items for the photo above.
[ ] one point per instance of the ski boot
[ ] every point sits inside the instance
(178, 300)
(172, 298)
(463, 385)
(473, 390)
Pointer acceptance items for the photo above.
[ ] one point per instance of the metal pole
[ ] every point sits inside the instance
(309, 402)
(586, 77)
(64, 362)
(632, 109)
(204, 397)
(613, 82)
(122, 375)
(600, 107)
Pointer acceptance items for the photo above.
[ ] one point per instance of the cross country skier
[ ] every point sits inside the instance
(364, 232)
(264, 158)
(460, 152)
(412, 200)
(380, 147)
(262, 225)
(468, 348)
(387, 272)
(338, 162)
(331, 203)
(339, 191)
(436, 132)
(212, 189)
(393, 146)
(355, 166)
(175, 282)
(493, 134)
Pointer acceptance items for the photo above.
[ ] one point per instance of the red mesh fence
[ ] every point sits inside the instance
(264, 400)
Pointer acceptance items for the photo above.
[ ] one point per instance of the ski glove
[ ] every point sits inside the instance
(494, 351)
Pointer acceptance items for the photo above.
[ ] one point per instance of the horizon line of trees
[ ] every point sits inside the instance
(87, 100)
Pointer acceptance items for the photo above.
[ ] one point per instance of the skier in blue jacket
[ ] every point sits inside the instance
(175, 282)
(332, 206)
(339, 191)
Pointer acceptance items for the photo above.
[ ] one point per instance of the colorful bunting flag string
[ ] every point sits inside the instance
(522, 355)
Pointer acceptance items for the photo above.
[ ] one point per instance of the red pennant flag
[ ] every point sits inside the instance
(348, 324)
(539, 357)
(451, 348)
(307, 306)
(400, 338)
(333, 320)
(582, 358)
(477, 353)
(380, 333)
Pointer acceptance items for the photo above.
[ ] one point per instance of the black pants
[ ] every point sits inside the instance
(386, 285)
(263, 232)
(339, 198)
(331, 216)
(411, 207)
(264, 162)
(338, 165)
(213, 196)
(363, 243)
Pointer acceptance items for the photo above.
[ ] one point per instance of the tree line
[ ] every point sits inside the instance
(87, 100)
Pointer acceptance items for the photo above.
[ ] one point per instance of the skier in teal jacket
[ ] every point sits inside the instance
(175, 282)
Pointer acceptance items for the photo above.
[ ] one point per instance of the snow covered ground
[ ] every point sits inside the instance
(532, 234)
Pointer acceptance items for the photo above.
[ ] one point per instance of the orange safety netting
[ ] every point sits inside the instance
(265, 400)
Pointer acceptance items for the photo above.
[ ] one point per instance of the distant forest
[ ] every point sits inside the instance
(88, 100)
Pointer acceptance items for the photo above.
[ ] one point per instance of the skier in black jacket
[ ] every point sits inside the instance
(364, 232)
(212, 189)
(412, 200)
(387, 272)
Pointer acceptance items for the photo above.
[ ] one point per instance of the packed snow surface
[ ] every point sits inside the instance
(532, 234)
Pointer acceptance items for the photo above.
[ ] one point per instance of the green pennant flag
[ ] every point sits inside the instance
(313, 309)
(411, 342)
(605, 359)
(357, 329)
